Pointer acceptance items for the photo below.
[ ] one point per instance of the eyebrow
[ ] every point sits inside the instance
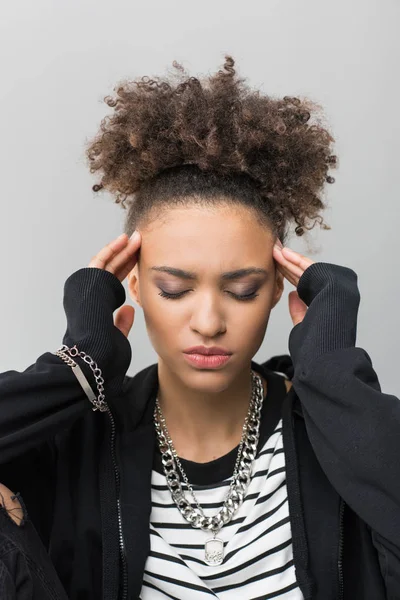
(229, 276)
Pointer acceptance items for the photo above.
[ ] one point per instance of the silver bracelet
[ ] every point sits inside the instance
(67, 355)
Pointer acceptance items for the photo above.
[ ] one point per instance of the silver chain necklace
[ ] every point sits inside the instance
(214, 547)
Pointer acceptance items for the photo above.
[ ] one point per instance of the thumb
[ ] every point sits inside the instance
(124, 319)
(297, 307)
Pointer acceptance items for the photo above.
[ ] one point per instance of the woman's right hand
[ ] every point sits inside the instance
(119, 257)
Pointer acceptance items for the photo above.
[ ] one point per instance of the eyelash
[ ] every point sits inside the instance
(180, 294)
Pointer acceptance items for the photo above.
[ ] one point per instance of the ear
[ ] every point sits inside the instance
(133, 285)
(279, 287)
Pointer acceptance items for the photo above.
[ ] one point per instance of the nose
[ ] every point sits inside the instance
(207, 318)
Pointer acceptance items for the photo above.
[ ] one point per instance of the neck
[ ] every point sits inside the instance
(204, 423)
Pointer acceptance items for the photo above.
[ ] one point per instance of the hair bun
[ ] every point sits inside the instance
(217, 123)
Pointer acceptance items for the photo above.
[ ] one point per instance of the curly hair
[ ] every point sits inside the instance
(169, 142)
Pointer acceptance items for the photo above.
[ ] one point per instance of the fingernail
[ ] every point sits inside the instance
(135, 235)
(279, 248)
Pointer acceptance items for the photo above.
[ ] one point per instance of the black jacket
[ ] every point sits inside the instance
(85, 476)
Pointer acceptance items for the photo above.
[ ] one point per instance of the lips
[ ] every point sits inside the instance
(204, 361)
(207, 351)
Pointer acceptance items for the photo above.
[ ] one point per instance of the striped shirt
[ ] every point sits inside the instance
(258, 562)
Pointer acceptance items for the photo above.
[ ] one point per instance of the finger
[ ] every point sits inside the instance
(288, 273)
(119, 256)
(128, 267)
(125, 260)
(11, 504)
(105, 255)
(124, 319)
(297, 259)
(297, 307)
(288, 267)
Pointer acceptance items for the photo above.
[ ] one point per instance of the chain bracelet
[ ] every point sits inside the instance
(67, 355)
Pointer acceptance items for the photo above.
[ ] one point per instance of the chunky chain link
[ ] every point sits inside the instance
(241, 476)
(67, 354)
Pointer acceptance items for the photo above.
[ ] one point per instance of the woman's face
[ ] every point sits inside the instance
(207, 242)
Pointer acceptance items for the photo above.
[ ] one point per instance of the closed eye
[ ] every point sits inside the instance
(180, 294)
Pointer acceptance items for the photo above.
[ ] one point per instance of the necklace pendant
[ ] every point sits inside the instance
(214, 551)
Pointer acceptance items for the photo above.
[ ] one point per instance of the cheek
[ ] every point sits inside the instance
(252, 322)
(255, 324)
(162, 321)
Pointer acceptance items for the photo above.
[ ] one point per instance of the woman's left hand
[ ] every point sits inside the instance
(292, 266)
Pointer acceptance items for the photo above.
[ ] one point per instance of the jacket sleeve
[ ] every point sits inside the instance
(37, 403)
(354, 427)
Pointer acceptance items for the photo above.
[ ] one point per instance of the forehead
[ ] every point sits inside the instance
(212, 240)
(217, 225)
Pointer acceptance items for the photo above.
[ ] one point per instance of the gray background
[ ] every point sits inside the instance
(60, 58)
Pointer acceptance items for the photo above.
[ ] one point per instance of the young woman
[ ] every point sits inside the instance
(206, 474)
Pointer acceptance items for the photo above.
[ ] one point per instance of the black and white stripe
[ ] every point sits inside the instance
(258, 561)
